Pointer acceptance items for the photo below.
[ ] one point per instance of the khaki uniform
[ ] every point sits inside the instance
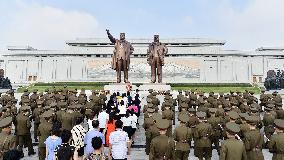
(254, 141)
(202, 144)
(44, 130)
(232, 149)
(7, 142)
(162, 148)
(182, 135)
(23, 126)
(276, 146)
(169, 115)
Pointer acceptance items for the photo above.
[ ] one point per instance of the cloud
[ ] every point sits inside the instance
(46, 27)
(260, 23)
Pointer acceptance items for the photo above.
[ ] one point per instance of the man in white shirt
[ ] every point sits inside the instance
(119, 144)
(103, 117)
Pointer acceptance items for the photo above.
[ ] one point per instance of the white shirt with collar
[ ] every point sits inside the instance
(118, 139)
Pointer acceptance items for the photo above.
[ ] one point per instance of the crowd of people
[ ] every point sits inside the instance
(69, 125)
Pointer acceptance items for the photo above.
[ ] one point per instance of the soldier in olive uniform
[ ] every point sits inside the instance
(168, 114)
(231, 148)
(202, 133)
(148, 122)
(152, 132)
(37, 112)
(162, 146)
(276, 143)
(7, 140)
(268, 121)
(215, 123)
(23, 126)
(253, 140)
(33, 100)
(44, 131)
(182, 136)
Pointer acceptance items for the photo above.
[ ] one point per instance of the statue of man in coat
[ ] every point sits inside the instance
(121, 56)
(155, 58)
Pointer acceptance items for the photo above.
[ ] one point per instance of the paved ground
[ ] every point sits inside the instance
(138, 153)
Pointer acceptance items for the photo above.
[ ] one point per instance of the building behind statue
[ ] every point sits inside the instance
(188, 61)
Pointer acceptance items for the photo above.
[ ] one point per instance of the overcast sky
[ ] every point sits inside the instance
(47, 24)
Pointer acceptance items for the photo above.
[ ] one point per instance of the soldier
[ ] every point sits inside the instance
(168, 114)
(182, 136)
(215, 123)
(33, 99)
(231, 148)
(68, 118)
(36, 115)
(202, 133)
(276, 143)
(152, 131)
(23, 126)
(244, 127)
(148, 122)
(7, 140)
(268, 121)
(44, 130)
(121, 56)
(162, 146)
(253, 140)
(155, 58)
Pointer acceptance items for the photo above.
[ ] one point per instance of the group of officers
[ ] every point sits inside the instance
(54, 107)
(241, 122)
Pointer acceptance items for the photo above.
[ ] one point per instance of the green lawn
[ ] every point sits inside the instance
(205, 87)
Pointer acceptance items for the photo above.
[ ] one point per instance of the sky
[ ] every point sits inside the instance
(48, 24)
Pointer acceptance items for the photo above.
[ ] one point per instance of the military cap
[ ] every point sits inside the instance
(201, 114)
(168, 92)
(253, 109)
(59, 90)
(227, 109)
(275, 93)
(157, 117)
(251, 92)
(167, 104)
(252, 119)
(53, 104)
(184, 105)
(25, 100)
(26, 94)
(268, 109)
(211, 93)
(201, 93)
(191, 110)
(279, 123)
(154, 93)
(75, 99)
(183, 99)
(35, 90)
(150, 90)
(243, 115)
(163, 124)
(25, 108)
(5, 122)
(279, 104)
(221, 94)
(47, 114)
(63, 97)
(150, 105)
(39, 102)
(238, 91)
(233, 115)
(14, 100)
(47, 107)
(179, 91)
(167, 97)
(212, 110)
(46, 90)
(26, 90)
(270, 105)
(72, 107)
(232, 127)
(183, 118)
(234, 103)
(263, 90)
(150, 110)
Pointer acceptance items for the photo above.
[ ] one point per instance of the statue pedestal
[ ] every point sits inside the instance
(119, 87)
(155, 87)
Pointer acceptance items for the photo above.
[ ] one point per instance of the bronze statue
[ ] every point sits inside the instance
(121, 56)
(155, 58)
